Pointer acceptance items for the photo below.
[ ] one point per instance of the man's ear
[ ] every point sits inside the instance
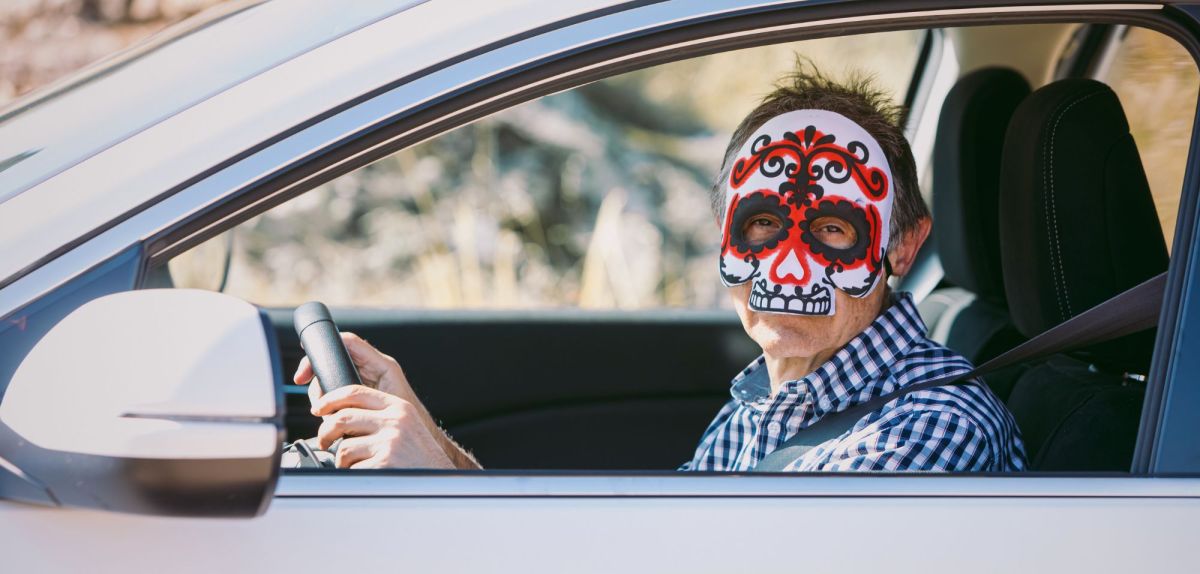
(904, 252)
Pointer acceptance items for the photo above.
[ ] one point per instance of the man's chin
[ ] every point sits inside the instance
(790, 335)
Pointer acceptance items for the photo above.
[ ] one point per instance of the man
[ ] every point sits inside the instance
(819, 205)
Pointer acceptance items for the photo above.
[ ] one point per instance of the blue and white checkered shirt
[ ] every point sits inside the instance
(949, 428)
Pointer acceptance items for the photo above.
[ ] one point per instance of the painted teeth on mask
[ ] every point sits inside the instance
(817, 303)
(767, 303)
(819, 307)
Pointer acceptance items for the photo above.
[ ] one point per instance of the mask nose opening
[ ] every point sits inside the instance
(789, 269)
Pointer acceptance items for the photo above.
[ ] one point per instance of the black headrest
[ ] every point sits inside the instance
(966, 182)
(1078, 224)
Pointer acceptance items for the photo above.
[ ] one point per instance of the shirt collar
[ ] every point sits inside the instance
(862, 363)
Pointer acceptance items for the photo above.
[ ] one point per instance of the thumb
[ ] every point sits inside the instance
(304, 372)
(314, 391)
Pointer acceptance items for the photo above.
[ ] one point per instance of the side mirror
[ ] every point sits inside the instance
(165, 402)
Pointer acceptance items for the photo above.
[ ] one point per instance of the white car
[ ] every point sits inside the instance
(141, 426)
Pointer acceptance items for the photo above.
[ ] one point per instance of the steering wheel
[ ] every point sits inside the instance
(320, 340)
(333, 368)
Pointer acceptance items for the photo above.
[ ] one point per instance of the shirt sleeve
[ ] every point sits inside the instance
(927, 440)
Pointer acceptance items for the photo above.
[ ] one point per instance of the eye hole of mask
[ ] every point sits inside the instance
(761, 228)
(838, 230)
(760, 221)
(834, 232)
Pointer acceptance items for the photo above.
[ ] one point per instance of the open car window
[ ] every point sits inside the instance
(594, 198)
(554, 242)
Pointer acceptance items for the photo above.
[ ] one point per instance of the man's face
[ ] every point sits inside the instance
(808, 202)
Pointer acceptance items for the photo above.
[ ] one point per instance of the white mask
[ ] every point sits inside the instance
(799, 168)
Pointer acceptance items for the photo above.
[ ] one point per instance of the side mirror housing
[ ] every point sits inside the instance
(164, 402)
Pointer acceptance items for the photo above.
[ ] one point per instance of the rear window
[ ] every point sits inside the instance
(1157, 82)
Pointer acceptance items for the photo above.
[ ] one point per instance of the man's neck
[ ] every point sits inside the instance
(784, 369)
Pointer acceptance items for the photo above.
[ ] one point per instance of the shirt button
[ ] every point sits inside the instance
(773, 427)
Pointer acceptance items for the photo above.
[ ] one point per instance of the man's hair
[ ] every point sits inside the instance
(863, 103)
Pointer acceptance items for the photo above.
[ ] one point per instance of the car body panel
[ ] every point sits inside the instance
(856, 528)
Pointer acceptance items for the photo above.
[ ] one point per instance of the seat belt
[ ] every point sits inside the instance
(1131, 311)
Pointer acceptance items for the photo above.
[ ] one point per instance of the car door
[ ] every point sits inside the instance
(647, 521)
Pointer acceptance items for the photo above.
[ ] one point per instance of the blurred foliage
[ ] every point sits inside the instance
(45, 39)
(596, 197)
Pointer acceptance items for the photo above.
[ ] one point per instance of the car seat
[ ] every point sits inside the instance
(972, 317)
(1078, 226)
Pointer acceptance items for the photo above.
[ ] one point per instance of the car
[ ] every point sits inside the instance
(141, 425)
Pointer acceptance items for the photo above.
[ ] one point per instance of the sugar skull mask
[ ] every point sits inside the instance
(808, 202)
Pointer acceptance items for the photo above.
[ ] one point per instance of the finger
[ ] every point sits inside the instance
(315, 392)
(347, 423)
(353, 450)
(373, 462)
(356, 396)
(304, 372)
(372, 364)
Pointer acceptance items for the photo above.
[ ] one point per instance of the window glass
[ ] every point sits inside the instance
(597, 197)
(1157, 80)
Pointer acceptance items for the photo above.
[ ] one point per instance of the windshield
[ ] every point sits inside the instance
(55, 128)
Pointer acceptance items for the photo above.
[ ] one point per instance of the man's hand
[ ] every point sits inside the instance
(376, 370)
(381, 422)
(378, 430)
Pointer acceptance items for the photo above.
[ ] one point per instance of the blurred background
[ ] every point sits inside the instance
(44, 40)
(597, 197)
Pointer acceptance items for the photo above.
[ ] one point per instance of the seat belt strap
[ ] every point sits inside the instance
(1133, 310)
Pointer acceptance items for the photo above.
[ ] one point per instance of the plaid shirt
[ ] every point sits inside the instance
(949, 428)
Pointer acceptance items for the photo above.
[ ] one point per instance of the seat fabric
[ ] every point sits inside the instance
(972, 318)
(1078, 226)
(966, 190)
(1075, 418)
